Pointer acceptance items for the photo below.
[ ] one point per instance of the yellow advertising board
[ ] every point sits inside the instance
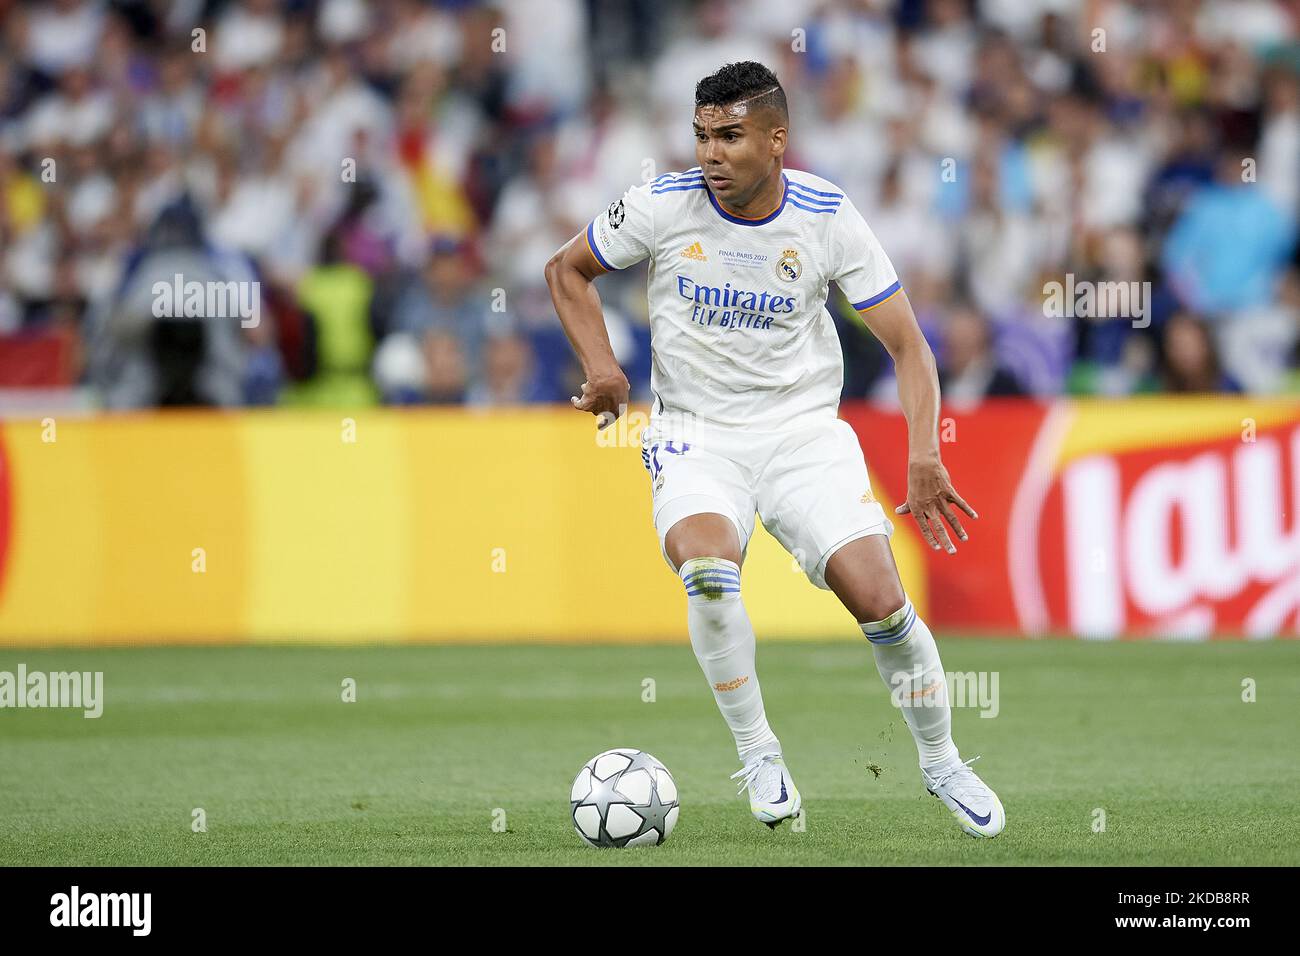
(388, 525)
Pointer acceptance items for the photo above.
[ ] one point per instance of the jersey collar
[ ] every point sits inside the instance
(741, 220)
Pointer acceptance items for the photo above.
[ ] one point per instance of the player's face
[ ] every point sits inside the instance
(737, 151)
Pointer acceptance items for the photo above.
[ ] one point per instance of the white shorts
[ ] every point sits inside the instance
(808, 485)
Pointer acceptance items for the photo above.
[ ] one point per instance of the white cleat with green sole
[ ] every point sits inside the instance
(773, 797)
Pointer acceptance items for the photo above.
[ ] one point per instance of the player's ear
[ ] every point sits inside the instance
(778, 140)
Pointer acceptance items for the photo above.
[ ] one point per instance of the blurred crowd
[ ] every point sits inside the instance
(394, 174)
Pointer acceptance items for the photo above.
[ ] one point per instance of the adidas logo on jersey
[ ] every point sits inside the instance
(695, 251)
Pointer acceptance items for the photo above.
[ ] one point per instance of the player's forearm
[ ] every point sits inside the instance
(577, 303)
(918, 391)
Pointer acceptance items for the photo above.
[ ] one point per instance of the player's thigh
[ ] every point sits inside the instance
(863, 575)
(816, 497)
(703, 505)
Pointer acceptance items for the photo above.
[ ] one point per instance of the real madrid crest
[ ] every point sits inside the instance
(788, 266)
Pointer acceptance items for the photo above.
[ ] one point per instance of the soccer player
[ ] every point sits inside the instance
(747, 373)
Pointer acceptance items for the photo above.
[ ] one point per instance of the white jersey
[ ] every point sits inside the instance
(739, 329)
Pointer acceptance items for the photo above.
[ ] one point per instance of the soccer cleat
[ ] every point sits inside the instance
(974, 805)
(773, 797)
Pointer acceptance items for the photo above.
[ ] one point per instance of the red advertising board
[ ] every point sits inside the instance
(1142, 518)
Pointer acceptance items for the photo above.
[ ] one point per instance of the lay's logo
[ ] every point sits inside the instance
(1191, 539)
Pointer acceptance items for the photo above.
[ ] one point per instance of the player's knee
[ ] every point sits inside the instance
(883, 603)
(888, 618)
(710, 581)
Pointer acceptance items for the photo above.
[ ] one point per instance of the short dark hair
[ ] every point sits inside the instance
(746, 80)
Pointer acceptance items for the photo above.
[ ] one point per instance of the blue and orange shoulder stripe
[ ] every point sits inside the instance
(880, 298)
(811, 199)
(678, 182)
(595, 250)
(691, 179)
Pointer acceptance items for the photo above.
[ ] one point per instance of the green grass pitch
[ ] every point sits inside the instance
(1156, 735)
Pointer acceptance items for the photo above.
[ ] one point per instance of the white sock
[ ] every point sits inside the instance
(908, 660)
(723, 640)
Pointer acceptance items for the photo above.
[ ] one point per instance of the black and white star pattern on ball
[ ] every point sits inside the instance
(643, 761)
(616, 213)
(603, 793)
(654, 814)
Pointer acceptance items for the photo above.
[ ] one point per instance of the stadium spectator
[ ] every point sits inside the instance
(508, 376)
(1258, 346)
(446, 372)
(1189, 360)
(1230, 243)
(968, 368)
(336, 295)
(992, 146)
(143, 355)
(444, 298)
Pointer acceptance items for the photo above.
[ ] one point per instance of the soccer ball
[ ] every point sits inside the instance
(624, 798)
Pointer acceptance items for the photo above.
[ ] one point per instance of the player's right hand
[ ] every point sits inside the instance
(605, 396)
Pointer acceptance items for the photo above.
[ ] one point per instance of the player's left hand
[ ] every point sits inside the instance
(929, 491)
